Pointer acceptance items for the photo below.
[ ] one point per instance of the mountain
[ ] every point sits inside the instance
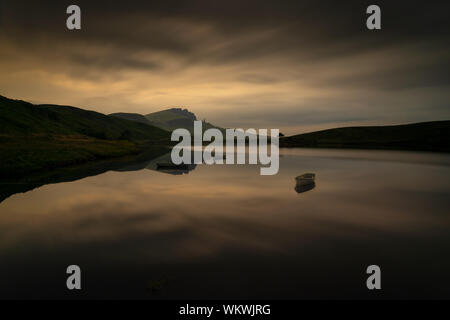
(132, 116)
(427, 136)
(175, 118)
(168, 120)
(41, 137)
(20, 117)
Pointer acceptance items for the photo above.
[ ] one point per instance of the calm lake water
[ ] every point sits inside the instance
(225, 231)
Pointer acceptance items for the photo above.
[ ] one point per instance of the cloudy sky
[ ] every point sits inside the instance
(294, 65)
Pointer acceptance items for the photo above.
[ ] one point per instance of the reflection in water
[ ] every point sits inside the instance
(305, 182)
(164, 164)
(228, 232)
(10, 186)
(304, 187)
(176, 170)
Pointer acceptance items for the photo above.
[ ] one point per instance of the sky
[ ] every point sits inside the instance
(294, 65)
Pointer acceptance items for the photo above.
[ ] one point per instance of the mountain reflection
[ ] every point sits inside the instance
(13, 185)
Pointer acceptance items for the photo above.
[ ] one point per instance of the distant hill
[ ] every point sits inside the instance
(132, 116)
(19, 117)
(175, 118)
(427, 136)
(36, 137)
(168, 120)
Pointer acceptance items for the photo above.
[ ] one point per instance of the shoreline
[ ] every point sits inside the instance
(26, 155)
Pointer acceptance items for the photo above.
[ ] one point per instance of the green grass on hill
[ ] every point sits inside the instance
(22, 118)
(38, 137)
(131, 116)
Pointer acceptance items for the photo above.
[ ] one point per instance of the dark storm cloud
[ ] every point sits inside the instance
(283, 62)
(256, 78)
(308, 29)
(397, 74)
(110, 61)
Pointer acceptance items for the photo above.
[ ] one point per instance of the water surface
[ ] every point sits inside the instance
(225, 231)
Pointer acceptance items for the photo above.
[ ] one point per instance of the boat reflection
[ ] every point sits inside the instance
(304, 188)
(305, 182)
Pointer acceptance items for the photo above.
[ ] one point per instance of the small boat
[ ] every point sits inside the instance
(305, 179)
(172, 166)
(305, 182)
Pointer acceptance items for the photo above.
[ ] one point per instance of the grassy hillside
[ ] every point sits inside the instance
(427, 136)
(175, 118)
(40, 137)
(132, 116)
(23, 118)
